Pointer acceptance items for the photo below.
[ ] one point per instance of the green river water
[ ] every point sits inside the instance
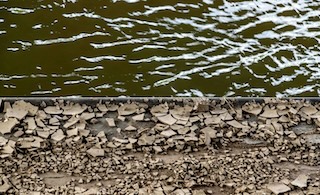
(159, 48)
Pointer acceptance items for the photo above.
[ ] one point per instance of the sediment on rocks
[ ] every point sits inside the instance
(185, 146)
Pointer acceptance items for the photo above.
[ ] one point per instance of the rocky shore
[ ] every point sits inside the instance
(185, 146)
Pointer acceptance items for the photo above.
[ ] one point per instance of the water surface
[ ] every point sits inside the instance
(159, 48)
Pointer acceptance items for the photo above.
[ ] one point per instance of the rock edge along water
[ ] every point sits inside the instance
(154, 146)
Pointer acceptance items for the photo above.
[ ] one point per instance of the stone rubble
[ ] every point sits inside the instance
(186, 146)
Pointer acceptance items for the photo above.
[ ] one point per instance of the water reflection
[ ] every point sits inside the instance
(162, 48)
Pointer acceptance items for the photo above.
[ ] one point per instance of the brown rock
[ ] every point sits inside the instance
(130, 128)
(235, 124)
(8, 125)
(43, 133)
(72, 132)
(254, 109)
(146, 140)
(159, 110)
(31, 123)
(87, 116)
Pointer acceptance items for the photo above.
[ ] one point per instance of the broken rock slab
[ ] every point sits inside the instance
(127, 109)
(58, 135)
(74, 109)
(167, 119)
(8, 125)
(53, 110)
(301, 181)
(278, 188)
(95, 152)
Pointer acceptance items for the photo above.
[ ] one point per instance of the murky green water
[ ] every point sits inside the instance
(159, 48)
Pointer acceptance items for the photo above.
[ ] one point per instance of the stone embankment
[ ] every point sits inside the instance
(187, 146)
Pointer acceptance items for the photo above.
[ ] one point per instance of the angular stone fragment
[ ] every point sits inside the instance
(7, 150)
(130, 128)
(87, 116)
(301, 181)
(43, 133)
(58, 135)
(209, 134)
(269, 113)
(111, 122)
(254, 109)
(73, 120)
(95, 152)
(20, 109)
(3, 141)
(84, 132)
(183, 131)
(53, 110)
(309, 110)
(212, 120)
(168, 133)
(138, 117)
(4, 187)
(122, 141)
(167, 119)
(31, 123)
(303, 128)
(278, 188)
(8, 125)
(146, 140)
(159, 110)
(102, 107)
(127, 109)
(72, 132)
(74, 109)
(235, 124)
(313, 138)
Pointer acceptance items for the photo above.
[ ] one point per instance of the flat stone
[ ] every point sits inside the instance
(87, 116)
(43, 133)
(3, 141)
(4, 187)
(309, 110)
(84, 132)
(146, 140)
(8, 125)
(254, 109)
(209, 134)
(95, 152)
(168, 133)
(303, 128)
(73, 120)
(127, 109)
(167, 119)
(214, 120)
(58, 135)
(138, 117)
(102, 107)
(235, 124)
(313, 138)
(7, 150)
(130, 128)
(122, 141)
(269, 113)
(31, 123)
(111, 122)
(301, 181)
(20, 109)
(53, 110)
(278, 188)
(72, 132)
(74, 109)
(159, 110)
(184, 130)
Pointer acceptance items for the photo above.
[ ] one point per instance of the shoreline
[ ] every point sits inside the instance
(159, 145)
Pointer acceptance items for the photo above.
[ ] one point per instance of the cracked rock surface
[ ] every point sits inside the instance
(189, 146)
